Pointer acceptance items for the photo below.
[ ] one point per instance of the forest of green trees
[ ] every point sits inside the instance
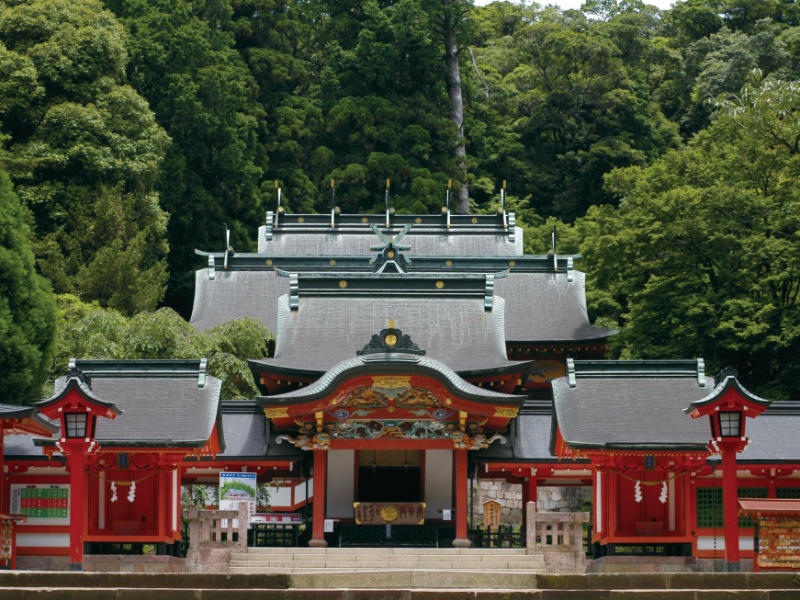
(663, 145)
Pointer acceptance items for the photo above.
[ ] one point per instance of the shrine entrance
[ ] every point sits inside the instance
(389, 476)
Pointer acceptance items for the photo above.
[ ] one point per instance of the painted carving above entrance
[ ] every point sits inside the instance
(405, 430)
(388, 393)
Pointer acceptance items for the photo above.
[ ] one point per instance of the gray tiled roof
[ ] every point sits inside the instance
(22, 446)
(245, 430)
(532, 437)
(344, 241)
(16, 412)
(546, 307)
(236, 294)
(169, 411)
(329, 329)
(161, 401)
(775, 435)
(618, 411)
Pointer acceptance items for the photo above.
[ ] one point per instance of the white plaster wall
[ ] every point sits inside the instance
(280, 497)
(341, 484)
(438, 482)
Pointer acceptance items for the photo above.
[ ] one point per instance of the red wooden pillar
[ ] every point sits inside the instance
(3, 475)
(320, 487)
(730, 508)
(162, 498)
(78, 500)
(462, 538)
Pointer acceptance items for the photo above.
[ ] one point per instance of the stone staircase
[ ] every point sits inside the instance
(328, 560)
(394, 568)
(208, 586)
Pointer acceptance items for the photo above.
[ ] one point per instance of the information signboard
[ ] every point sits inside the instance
(43, 504)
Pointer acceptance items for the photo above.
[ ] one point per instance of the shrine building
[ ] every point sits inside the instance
(412, 356)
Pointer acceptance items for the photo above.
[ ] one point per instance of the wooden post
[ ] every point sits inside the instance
(320, 482)
(462, 536)
(75, 450)
(730, 508)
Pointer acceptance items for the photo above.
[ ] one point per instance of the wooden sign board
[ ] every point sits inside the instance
(491, 514)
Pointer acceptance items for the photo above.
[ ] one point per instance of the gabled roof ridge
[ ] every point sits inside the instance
(627, 369)
(240, 407)
(422, 263)
(172, 368)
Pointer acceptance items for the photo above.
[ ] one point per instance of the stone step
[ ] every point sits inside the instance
(399, 585)
(402, 564)
(325, 567)
(394, 579)
(392, 550)
(394, 594)
(299, 560)
(486, 559)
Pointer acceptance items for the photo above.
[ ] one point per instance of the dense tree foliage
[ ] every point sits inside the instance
(27, 308)
(84, 150)
(130, 127)
(700, 259)
(90, 331)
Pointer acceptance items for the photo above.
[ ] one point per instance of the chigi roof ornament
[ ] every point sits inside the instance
(391, 340)
(390, 250)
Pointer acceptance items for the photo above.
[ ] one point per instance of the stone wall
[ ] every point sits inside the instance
(550, 499)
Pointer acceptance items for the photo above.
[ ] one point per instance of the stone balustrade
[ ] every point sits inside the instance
(213, 536)
(559, 537)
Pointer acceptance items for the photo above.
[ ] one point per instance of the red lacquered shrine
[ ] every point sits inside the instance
(412, 355)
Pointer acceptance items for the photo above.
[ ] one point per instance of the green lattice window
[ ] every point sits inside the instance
(750, 493)
(709, 507)
(788, 493)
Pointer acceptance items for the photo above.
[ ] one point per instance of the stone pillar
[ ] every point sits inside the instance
(530, 528)
(530, 493)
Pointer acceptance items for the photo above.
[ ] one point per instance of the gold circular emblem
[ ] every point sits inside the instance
(390, 254)
(333, 263)
(448, 263)
(439, 285)
(389, 514)
(417, 220)
(390, 339)
(342, 284)
(474, 219)
(301, 220)
(512, 263)
(364, 220)
(269, 262)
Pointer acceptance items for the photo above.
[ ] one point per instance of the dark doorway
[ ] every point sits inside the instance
(389, 476)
